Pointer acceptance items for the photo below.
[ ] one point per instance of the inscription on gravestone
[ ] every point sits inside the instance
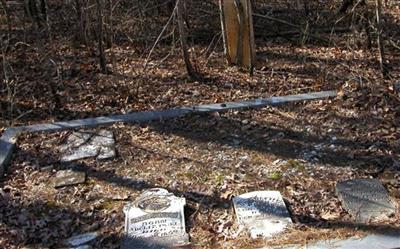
(365, 199)
(262, 213)
(155, 220)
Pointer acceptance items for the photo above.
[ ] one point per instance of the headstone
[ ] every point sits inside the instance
(80, 145)
(82, 239)
(155, 220)
(262, 213)
(68, 177)
(365, 199)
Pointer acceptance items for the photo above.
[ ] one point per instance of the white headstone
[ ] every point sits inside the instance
(155, 220)
(262, 213)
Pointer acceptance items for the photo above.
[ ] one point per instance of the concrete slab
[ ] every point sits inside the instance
(381, 241)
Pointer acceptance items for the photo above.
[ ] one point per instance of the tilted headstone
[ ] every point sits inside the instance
(365, 199)
(262, 213)
(155, 220)
(80, 145)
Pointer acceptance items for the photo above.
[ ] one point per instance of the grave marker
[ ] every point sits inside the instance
(65, 178)
(155, 220)
(82, 239)
(80, 145)
(262, 213)
(365, 199)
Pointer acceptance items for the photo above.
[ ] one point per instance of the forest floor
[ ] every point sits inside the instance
(301, 149)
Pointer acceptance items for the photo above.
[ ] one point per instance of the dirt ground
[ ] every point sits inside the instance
(59, 80)
(302, 150)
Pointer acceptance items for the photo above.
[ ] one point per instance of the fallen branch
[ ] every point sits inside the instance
(276, 20)
(297, 32)
(291, 25)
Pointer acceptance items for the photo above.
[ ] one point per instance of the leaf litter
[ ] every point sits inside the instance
(207, 159)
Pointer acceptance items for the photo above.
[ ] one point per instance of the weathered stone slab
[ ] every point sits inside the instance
(82, 239)
(262, 213)
(365, 199)
(80, 145)
(68, 177)
(155, 220)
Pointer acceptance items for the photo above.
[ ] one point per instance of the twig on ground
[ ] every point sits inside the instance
(317, 37)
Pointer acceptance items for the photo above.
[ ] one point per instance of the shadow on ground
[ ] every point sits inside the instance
(47, 223)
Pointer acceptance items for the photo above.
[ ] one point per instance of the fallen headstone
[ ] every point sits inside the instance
(262, 213)
(365, 199)
(82, 239)
(80, 145)
(68, 177)
(155, 220)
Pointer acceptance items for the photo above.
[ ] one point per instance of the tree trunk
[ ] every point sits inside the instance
(240, 16)
(223, 29)
(237, 29)
(8, 17)
(183, 39)
(381, 59)
(102, 57)
(44, 8)
(80, 23)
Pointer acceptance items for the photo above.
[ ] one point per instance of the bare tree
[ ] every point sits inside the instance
(102, 57)
(8, 17)
(183, 39)
(381, 59)
(239, 51)
(223, 29)
(80, 23)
